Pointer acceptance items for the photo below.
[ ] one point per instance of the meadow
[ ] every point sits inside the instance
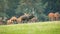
(50, 27)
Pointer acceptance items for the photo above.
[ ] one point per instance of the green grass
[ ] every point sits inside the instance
(32, 28)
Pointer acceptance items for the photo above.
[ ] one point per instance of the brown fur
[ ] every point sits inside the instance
(21, 18)
(34, 19)
(51, 16)
(13, 18)
(24, 18)
(9, 22)
(56, 15)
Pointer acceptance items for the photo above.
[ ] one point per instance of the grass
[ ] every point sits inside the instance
(52, 27)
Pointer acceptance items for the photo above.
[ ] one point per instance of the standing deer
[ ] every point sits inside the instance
(57, 15)
(51, 16)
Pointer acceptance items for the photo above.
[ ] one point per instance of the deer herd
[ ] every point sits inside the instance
(31, 18)
(22, 19)
(54, 16)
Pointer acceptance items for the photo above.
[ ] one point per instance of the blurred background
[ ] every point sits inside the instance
(40, 8)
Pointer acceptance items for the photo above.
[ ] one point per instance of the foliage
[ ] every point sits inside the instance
(37, 7)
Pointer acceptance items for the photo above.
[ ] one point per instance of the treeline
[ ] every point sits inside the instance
(40, 8)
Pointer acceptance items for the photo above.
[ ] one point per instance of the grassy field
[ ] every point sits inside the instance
(52, 27)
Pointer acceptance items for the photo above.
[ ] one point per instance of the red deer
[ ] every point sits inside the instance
(51, 16)
(56, 15)
(34, 19)
(9, 22)
(19, 20)
(13, 18)
(24, 18)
